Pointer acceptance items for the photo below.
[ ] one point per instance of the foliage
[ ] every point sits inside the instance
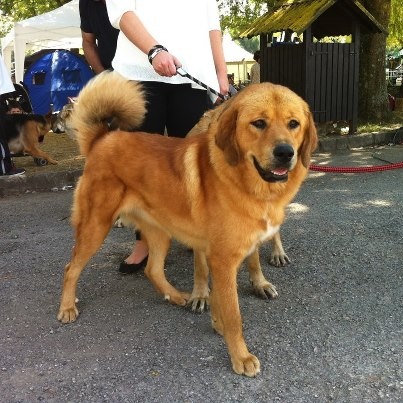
(17, 10)
(239, 14)
(6, 23)
(22, 9)
(395, 38)
(236, 15)
(251, 45)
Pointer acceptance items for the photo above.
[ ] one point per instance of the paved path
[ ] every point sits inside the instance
(334, 334)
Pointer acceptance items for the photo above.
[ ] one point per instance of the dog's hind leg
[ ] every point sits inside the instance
(261, 286)
(89, 239)
(158, 244)
(93, 216)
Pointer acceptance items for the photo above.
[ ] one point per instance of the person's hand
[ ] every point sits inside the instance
(224, 85)
(165, 64)
(224, 89)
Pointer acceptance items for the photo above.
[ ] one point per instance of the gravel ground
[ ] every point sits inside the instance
(334, 334)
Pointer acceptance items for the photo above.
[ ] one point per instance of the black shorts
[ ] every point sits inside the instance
(174, 107)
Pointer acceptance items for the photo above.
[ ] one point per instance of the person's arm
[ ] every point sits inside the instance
(219, 60)
(164, 63)
(91, 54)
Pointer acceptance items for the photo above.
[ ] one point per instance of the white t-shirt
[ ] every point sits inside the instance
(182, 26)
(6, 85)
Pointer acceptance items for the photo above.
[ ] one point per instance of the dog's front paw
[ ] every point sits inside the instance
(265, 290)
(68, 315)
(249, 365)
(177, 298)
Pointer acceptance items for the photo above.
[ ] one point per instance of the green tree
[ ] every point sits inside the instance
(372, 102)
(12, 11)
(395, 37)
(237, 15)
(22, 9)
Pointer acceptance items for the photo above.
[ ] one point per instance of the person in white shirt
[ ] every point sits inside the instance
(157, 37)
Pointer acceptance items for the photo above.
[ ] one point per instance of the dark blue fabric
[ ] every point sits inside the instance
(53, 78)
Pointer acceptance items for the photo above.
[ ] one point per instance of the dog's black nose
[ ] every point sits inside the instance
(283, 152)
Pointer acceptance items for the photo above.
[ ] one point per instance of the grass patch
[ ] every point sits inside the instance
(395, 122)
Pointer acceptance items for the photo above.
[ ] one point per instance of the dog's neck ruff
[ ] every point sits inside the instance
(278, 175)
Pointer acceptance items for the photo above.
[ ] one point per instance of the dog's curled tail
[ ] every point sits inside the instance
(107, 102)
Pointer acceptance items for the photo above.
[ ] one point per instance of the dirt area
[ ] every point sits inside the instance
(65, 150)
(62, 148)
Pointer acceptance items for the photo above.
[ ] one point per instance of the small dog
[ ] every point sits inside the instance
(24, 132)
(62, 123)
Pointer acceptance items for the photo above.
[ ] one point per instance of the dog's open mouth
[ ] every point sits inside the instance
(271, 175)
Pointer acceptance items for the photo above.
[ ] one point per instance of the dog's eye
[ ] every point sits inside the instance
(259, 124)
(293, 124)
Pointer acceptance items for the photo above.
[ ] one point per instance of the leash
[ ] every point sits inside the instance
(313, 167)
(183, 73)
(376, 168)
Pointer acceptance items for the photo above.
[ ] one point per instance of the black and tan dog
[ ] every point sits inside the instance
(24, 133)
(222, 192)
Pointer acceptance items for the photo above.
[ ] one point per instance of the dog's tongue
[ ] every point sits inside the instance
(280, 172)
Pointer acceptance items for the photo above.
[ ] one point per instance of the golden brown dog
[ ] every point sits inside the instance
(222, 192)
(25, 132)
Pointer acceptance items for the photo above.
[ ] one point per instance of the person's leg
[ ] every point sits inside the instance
(5, 159)
(156, 116)
(139, 251)
(6, 165)
(154, 123)
(185, 108)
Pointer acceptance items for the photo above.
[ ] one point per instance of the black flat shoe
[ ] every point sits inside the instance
(128, 268)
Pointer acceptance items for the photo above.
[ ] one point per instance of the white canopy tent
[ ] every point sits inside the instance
(239, 61)
(60, 29)
(233, 52)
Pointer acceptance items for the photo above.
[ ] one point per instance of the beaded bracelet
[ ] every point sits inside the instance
(154, 52)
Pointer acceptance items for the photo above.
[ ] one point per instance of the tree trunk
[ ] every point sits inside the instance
(373, 98)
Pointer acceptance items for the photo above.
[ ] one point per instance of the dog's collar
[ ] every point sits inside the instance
(270, 175)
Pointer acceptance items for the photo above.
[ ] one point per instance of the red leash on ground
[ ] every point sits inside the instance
(348, 170)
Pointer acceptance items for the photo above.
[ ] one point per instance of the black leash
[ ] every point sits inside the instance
(183, 73)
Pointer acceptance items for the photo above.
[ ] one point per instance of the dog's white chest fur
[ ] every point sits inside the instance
(270, 231)
(266, 234)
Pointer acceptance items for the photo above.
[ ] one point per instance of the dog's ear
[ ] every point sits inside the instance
(225, 133)
(310, 142)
